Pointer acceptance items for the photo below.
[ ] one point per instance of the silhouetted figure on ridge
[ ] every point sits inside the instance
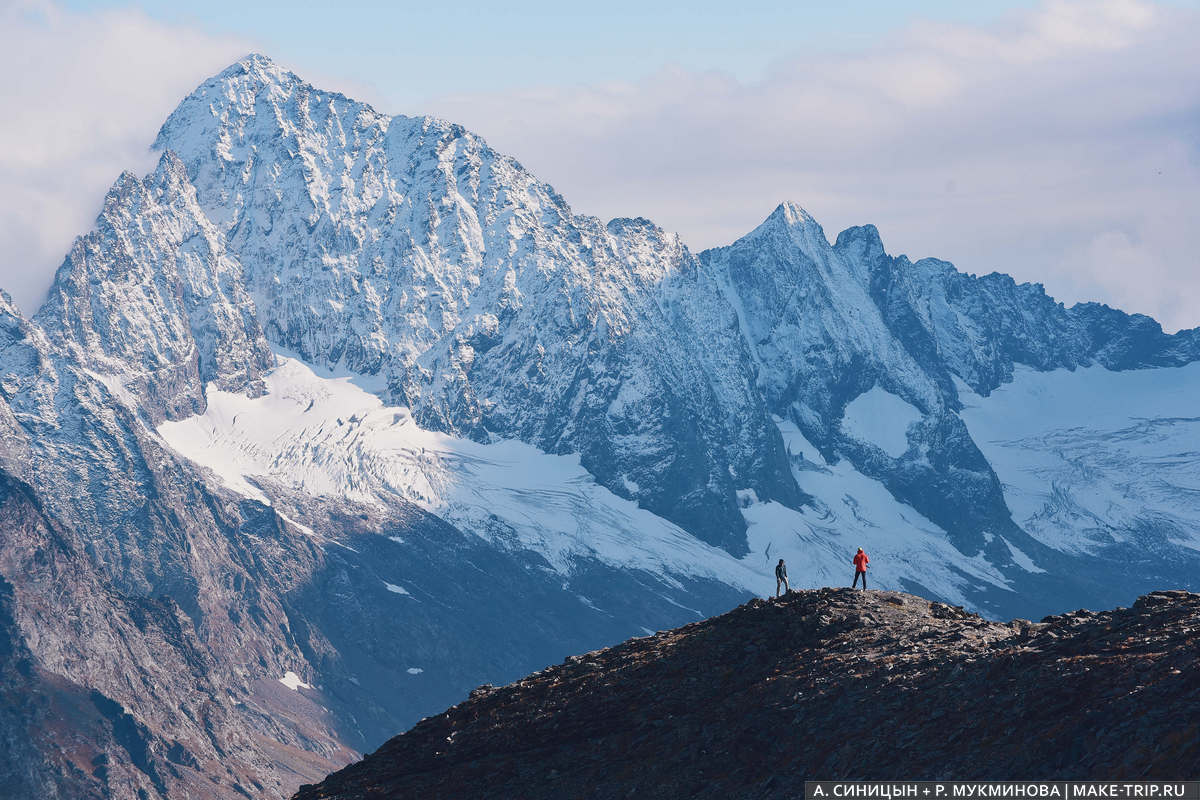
(860, 568)
(781, 578)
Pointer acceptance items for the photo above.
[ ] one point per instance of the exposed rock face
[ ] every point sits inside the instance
(111, 695)
(153, 296)
(822, 684)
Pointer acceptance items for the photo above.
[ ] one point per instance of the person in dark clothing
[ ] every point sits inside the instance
(860, 568)
(781, 578)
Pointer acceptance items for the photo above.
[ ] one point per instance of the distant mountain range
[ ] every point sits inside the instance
(335, 415)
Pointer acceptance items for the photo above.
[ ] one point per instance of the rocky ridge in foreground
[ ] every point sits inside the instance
(824, 683)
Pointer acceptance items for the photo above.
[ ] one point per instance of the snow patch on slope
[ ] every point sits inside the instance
(1092, 457)
(881, 418)
(292, 681)
(1021, 559)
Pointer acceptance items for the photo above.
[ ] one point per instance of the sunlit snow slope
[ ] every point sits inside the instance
(329, 437)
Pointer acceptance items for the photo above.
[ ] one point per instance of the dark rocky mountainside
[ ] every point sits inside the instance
(824, 683)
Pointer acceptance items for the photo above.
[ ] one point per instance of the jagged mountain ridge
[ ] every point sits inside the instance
(829, 322)
(405, 256)
(856, 685)
(408, 248)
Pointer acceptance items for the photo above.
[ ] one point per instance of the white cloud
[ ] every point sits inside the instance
(1060, 145)
(84, 95)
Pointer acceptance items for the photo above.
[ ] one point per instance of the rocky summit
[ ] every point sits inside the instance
(820, 684)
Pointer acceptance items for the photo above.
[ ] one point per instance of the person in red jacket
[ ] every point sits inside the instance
(860, 568)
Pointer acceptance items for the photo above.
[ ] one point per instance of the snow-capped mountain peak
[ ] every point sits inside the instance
(793, 215)
(408, 249)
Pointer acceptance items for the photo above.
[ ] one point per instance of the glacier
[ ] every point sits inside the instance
(1094, 458)
(327, 437)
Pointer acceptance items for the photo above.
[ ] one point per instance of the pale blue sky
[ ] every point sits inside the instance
(426, 49)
